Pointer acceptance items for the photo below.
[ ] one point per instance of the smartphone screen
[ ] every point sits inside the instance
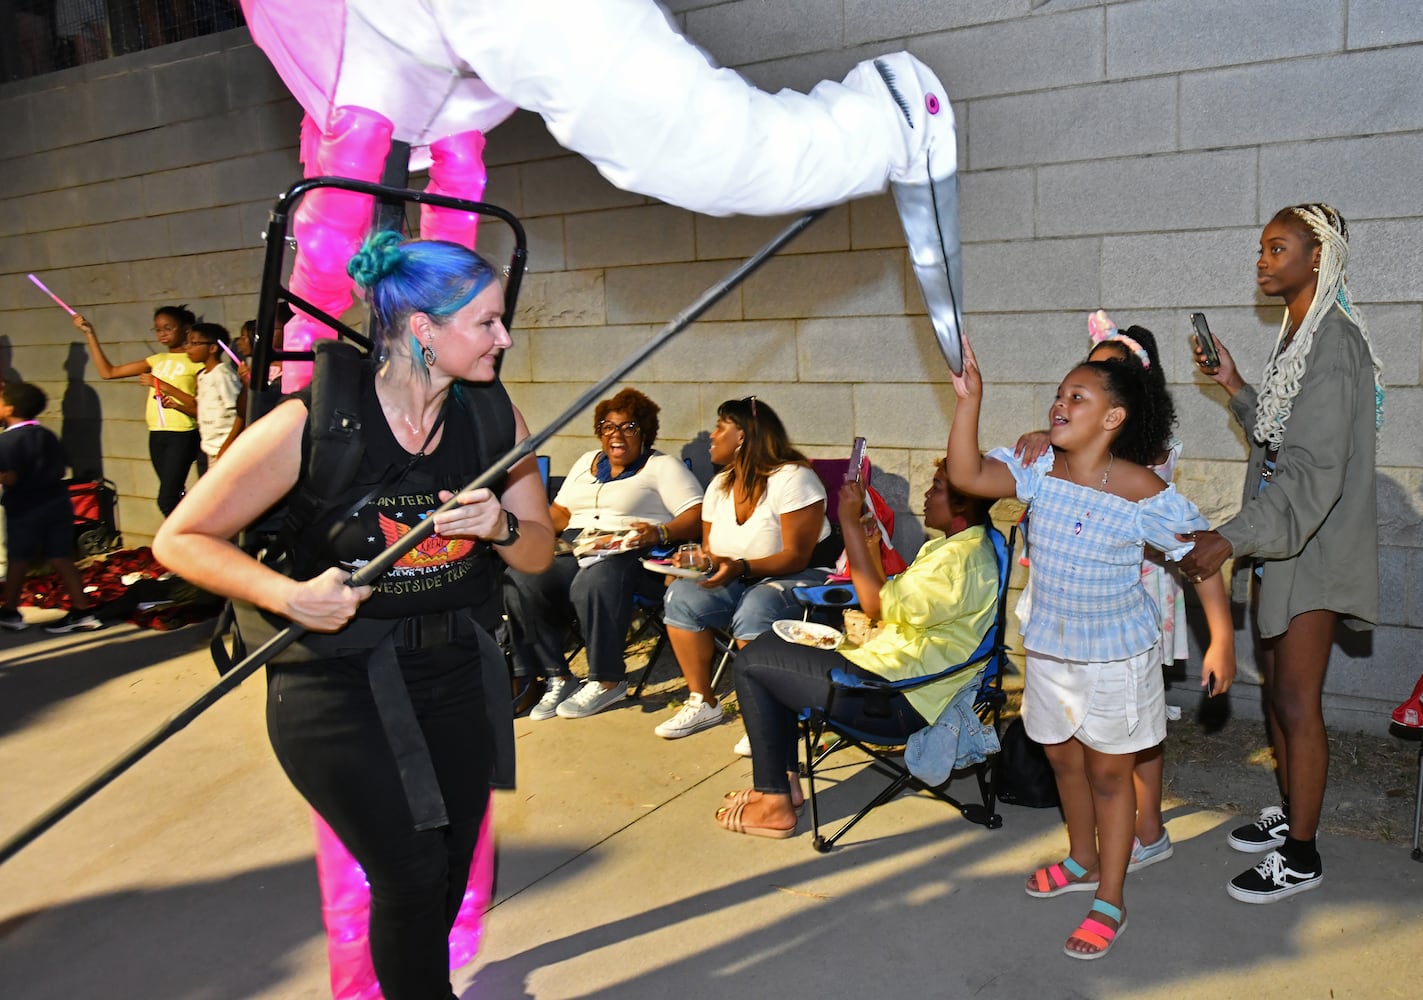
(1205, 340)
(857, 459)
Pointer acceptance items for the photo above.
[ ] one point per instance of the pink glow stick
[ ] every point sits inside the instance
(230, 353)
(162, 417)
(58, 301)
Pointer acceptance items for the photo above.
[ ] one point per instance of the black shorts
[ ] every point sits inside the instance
(46, 532)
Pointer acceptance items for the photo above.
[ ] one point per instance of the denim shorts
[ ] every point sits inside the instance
(746, 610)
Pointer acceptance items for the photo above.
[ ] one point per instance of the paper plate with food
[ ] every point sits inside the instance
(808, 633)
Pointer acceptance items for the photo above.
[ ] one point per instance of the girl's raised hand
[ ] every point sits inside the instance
(970, 383)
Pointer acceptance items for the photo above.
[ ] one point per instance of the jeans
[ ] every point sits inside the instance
(172, 454)
(322, 721)
(543, 606)
(776, 679)
(746, 609)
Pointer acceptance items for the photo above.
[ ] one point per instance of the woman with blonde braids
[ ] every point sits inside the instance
(763, 522)
(1308, 523)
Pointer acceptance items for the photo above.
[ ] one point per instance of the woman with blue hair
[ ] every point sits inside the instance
(432, 417)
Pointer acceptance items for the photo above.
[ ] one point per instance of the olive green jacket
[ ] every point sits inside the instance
(1315, 526)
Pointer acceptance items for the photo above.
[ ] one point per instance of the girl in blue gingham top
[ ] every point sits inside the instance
(1093, 607)
(1093, 692)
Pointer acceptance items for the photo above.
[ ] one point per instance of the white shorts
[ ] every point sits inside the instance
(1114, 707)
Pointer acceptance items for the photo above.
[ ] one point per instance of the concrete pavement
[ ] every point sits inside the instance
(191, 876)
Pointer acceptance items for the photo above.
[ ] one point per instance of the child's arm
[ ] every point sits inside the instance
(969, 472)
(238, 424)
(1219, 659)
(185, 401)
(107, 369)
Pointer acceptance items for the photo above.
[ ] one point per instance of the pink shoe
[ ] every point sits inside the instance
(1410, 713)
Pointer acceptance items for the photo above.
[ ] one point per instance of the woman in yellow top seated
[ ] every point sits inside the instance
(934, 613)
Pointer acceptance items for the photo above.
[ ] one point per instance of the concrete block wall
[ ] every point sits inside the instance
(1113, 154)
(125, 185)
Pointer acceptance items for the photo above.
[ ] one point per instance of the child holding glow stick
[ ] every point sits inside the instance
(219, 388)
(173, 442)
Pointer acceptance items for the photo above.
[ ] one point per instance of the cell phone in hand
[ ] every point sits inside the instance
(1209, 351)
(857, 459)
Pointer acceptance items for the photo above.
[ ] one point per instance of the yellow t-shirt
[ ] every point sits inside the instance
(177, 370)
(935, 614)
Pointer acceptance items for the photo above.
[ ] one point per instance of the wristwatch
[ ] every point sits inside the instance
(512, 523)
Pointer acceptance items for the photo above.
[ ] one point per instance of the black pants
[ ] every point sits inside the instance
(776, 679)
(323, 724)
(543, 606)
(172, 454)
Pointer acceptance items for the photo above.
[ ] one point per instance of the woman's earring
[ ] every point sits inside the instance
(427, 355)
(1316, 270)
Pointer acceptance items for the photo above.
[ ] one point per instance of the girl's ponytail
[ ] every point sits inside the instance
(1148, 406)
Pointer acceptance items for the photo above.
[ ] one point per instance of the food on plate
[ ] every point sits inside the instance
(806, 635)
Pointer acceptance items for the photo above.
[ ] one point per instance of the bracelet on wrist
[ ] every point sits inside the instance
(663, 535)
(745, 570)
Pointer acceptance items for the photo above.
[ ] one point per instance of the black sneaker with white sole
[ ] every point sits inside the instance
(1272, 880)
(74, 621)
(13, 620)
(1265, 834)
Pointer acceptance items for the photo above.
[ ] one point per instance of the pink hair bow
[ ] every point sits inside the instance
(1101, 328)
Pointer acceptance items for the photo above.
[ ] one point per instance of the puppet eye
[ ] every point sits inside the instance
(931, 102)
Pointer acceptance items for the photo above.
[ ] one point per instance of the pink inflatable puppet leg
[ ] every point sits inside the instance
(346, 912)
(469, 924)
(330, 224)
(457, 171)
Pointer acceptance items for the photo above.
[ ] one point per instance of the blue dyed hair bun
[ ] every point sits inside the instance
(380, 255)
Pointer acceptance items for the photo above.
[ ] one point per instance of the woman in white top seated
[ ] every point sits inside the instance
(623, 486)
(763, 522)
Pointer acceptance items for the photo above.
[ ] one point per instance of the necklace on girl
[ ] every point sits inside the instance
(1087, 514)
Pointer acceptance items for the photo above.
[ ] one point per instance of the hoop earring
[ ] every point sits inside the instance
(427, 355)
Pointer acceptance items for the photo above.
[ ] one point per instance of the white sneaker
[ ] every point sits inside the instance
(694, 716)
(591, 699)
(558, 690)
(743, 746)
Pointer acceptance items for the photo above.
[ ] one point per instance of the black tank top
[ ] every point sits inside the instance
(439, 574)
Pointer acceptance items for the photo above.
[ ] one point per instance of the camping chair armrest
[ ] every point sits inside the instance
(846, 681)
(828, 595)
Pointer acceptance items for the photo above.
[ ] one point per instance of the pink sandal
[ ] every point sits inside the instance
(1092, 931)
(1054, 880)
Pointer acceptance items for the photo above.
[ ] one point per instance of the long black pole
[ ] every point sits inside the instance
(370, 572)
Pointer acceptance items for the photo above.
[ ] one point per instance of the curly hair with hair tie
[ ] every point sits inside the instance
(402, 277)
(1149, 411)
(1284, 374)
(1126, 346)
